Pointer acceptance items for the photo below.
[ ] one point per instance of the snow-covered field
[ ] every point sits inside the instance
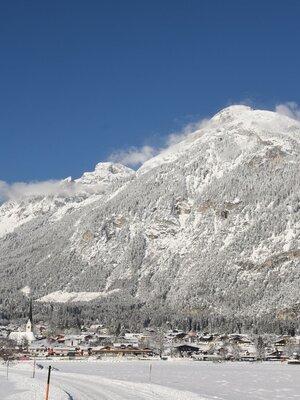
(169, 380)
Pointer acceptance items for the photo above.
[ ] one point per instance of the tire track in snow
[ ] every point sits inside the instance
(74, 386)
(98, 388)
(70, 397)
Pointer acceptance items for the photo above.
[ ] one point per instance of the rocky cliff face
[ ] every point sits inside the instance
(210, 227)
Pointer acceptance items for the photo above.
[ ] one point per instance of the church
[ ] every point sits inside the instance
(27, 336)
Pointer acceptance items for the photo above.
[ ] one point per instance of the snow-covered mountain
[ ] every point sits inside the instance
(207, 229)
(63, 197)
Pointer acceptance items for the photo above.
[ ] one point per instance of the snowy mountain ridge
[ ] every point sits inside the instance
(238, 119)
(208, 228)
(70, 195)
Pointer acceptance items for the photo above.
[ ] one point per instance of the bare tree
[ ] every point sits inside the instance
(7, 349)
(235, 349)
(260, 348)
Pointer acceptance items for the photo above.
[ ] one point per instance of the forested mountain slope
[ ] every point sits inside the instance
(206, 232)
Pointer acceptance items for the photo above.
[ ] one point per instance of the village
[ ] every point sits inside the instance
(97, 343)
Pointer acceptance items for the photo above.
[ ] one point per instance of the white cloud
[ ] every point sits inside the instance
(64, 188)
(289, 109)
(135, 156)
(192, 127)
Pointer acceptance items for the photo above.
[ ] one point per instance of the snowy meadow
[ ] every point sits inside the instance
(156, 380)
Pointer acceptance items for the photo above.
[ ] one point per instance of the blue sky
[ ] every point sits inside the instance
(80, 80)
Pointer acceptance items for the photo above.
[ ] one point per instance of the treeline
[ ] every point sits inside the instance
(136, 316)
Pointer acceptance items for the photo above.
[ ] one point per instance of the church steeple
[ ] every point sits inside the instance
(29, 322)
(30, 311)
(28, 326)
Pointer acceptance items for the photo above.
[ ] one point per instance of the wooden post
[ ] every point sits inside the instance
(33, 373)
(48, 383)
(150, 372)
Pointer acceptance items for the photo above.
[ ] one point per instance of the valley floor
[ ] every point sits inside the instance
(174, 380)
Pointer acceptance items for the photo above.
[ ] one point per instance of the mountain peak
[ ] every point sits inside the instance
(233, 123)
(254, 117)
(233, 111)
(106, 172)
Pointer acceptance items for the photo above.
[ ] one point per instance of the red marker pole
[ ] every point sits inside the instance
(48, 383)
